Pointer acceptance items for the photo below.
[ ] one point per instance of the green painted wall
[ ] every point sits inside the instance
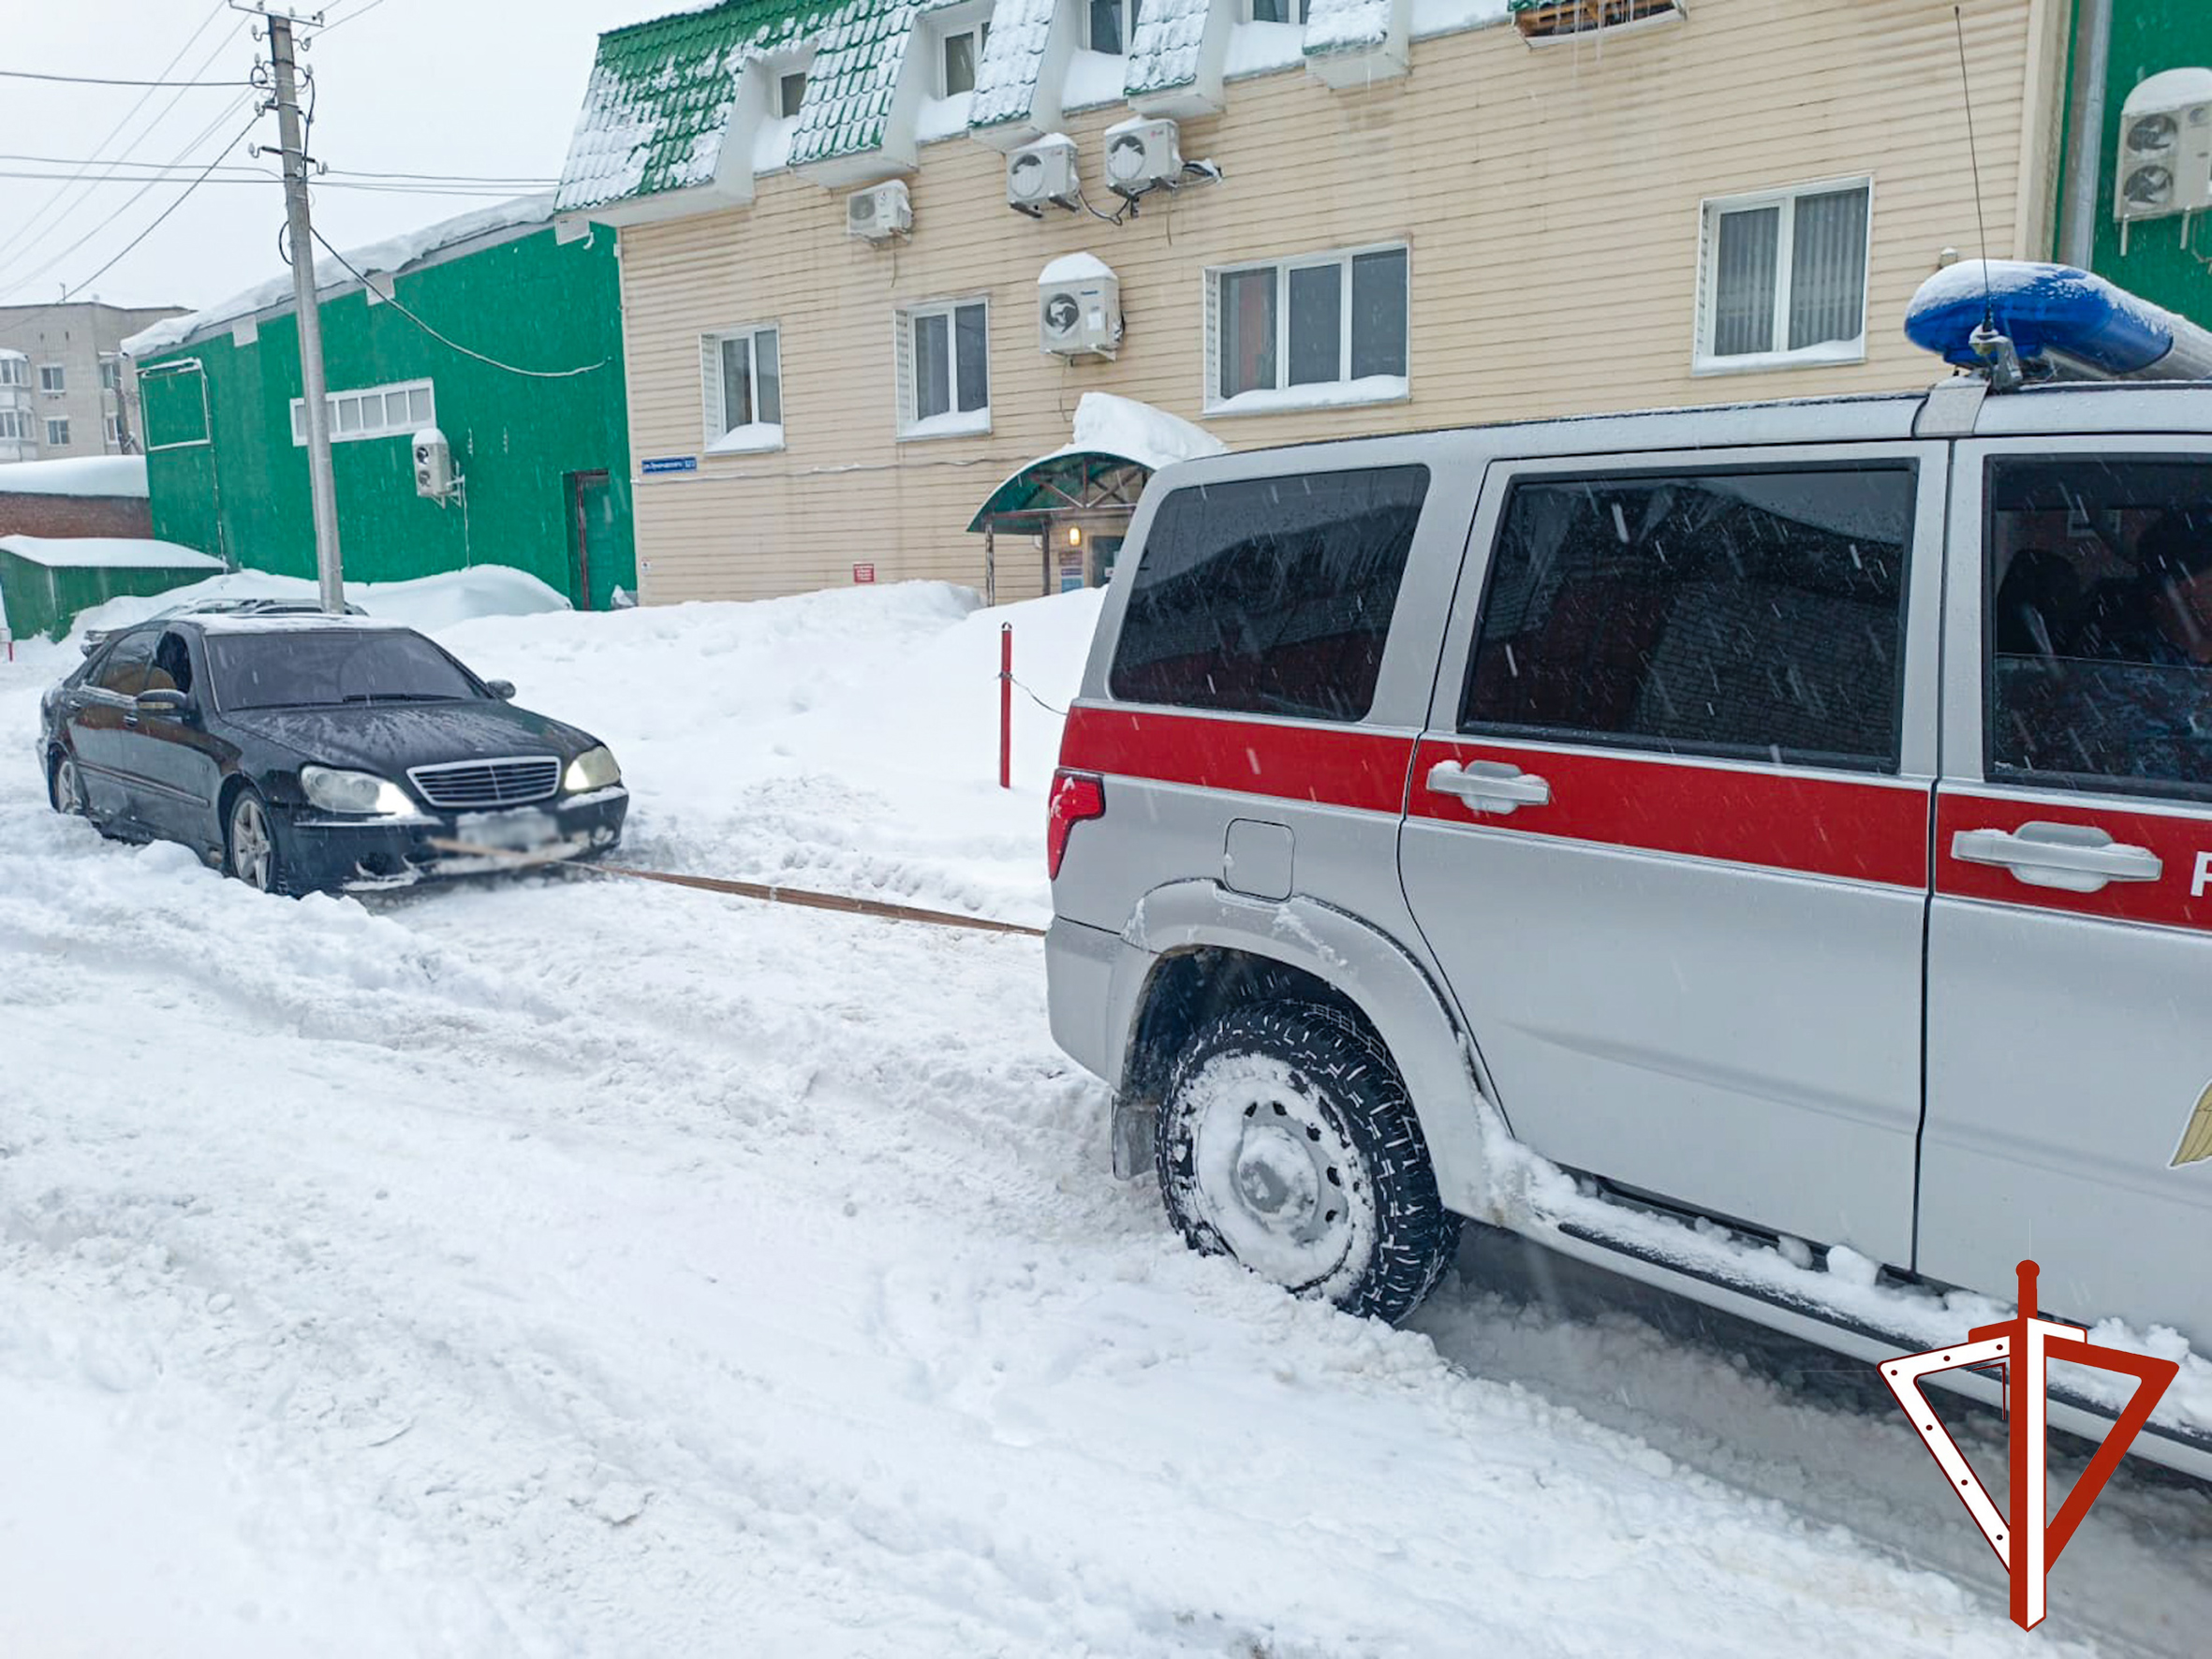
(532, 302)
(2149, 37)
(45, 599)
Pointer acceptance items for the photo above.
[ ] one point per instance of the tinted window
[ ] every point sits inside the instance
(2099, 624)
(123, 670)
(172, 665)
(1747, 614)
(290, 668)
(1270, 595)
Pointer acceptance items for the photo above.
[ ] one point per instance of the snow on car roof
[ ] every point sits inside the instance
(314, 623)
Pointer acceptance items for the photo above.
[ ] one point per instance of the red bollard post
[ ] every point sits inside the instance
(1006, 705)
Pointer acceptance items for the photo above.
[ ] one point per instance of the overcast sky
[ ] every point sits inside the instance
(479, 87)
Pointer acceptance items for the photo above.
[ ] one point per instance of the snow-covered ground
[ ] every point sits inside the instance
(572, 1266)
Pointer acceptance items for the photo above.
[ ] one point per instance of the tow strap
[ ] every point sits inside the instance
(748, 889)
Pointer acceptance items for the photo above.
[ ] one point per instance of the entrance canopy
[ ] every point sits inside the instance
(1117, 444)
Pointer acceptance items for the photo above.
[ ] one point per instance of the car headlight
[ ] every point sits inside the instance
(362, 792)
(594, 769)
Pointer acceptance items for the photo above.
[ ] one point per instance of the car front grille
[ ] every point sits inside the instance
(483, 785)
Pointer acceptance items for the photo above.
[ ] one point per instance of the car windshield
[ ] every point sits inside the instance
(320, 668)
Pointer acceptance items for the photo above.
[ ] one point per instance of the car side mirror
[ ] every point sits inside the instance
(502, 689)
(162, 702)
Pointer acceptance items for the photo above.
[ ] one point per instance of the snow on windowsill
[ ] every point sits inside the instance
(1262, 48)
(771, 143)
(755, 439)
(1094, 78)
(1333, 394)
(1448, 17)
(943, 118)
(1827, 354)
(959, 423)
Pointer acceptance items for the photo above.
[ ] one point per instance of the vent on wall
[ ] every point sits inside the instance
(1542, 20)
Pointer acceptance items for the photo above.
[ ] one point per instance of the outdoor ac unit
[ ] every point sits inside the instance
(1042, 174)
(1078, 308)
(2165, 151)
(1142, 155)
(879, 213)
(433, 464)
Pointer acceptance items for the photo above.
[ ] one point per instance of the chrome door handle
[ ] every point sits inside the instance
(1489, 786)
(2077, 858)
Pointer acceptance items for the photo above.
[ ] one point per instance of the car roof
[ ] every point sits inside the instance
(315, 622)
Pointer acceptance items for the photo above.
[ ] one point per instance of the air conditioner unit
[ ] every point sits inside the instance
(1042, 174)
(1142, 155)
(879, 213)
(1078, 308)
(433, 464)
(2165, 150)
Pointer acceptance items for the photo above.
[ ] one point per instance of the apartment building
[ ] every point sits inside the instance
(873, 255)
(80, 399)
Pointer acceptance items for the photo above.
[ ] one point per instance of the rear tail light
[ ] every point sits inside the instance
(1076, 796)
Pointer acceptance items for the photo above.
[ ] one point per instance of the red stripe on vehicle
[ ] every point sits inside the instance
(1331, 766)
(2181, 897)
(1858, 829)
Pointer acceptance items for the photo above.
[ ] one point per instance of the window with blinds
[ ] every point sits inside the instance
(1782, 280)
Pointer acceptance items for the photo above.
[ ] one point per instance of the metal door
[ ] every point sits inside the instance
(2070, 943)
(1692, 962)
(594, 570)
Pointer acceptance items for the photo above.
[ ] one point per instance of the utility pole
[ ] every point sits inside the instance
(314, 391)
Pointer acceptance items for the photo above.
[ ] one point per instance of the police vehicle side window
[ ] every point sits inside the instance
(123, 670)
(2097, 623)
(1746, 614)
(1270, 595)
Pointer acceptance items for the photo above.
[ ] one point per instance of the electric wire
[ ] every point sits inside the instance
(341, 22)
(109, 81)
(25, 229)
(456, 344)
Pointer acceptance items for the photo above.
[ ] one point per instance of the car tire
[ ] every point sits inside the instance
(251, 850)
(1287, 1141)
(64, 789)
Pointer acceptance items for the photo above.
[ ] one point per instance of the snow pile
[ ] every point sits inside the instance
(1084, 267)
(427, 602)
(79, 475)
(106, 553)
(381, 258)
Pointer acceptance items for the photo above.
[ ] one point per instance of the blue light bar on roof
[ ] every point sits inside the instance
(2069, 319)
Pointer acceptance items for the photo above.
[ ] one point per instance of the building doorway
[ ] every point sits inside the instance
(593, 547)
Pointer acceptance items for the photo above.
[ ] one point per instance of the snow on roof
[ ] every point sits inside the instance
(1164, 46)
(1346, 26)
(1013, 60)
(1109, 424)
(389, 258)
(1076, 268)
(103, 552)
(77, 475)
(311, 623)
(17, 356)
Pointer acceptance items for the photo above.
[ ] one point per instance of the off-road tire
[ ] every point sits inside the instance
(1356, 1108)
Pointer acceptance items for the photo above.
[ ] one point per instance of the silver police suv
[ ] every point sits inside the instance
(1766, 850)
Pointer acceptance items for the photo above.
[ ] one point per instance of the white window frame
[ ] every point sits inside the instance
(1128, 8)
(14, 427)
(14, 370)
(1312, 394)
(110, 372)
(783, 78)
(978, 31)
(362, 431)
(760, 436)
(58, 424)
(1296, 20)
(955, 422)
(53, 379)
(1710, 211)
(114, 424)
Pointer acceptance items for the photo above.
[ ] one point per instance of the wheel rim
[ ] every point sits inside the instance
(1272, 1175)
(252, 852)
(64, 785)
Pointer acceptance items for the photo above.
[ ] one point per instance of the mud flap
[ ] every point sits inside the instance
(1135, 1124)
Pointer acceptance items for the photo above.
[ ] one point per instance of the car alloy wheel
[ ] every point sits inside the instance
(253, 843)
(63, 788)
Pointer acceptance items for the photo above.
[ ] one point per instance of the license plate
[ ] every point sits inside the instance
(508, 832)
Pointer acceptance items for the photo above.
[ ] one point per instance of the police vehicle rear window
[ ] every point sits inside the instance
(1270, 595)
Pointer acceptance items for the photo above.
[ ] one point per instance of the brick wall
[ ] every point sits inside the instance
(75, 515)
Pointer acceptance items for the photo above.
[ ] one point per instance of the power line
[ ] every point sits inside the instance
(519, 184)
(341, 22)
(109, 81)
(456, 344)
(262, 178)
(25, 229)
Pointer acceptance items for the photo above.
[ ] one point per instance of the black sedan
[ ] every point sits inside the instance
(313, 752)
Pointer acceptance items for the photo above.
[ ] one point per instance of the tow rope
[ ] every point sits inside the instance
(764, 891)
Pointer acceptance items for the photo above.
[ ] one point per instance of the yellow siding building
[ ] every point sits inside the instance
(1395, 213)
